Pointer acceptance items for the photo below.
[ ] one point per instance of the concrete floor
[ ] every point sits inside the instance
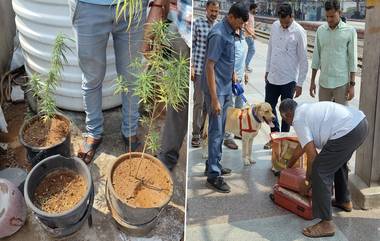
(247, 213)
(171, 221)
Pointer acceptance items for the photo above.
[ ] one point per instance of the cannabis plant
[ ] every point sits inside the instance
(43, 86)
(162, 80)
(132, 7)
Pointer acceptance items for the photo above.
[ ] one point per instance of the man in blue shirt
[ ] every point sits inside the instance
(217, 87)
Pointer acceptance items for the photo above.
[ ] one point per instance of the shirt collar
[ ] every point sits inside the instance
(291, 28)
(340, 25)
(210, 23)
(227, 26)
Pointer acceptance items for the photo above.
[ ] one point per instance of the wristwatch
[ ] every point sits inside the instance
(352, 83)
(153, 4)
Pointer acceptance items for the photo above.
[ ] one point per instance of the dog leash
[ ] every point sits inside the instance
(238, 91)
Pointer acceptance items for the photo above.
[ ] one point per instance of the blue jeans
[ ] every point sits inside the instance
(216, 131)
(251, 51)
(92, 26)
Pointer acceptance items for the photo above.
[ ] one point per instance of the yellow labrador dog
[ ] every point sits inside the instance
(245, 123)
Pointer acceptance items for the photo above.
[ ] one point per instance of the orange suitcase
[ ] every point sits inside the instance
(293, 202)
(292, 178)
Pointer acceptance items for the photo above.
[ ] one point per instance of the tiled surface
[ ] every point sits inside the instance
(247, 213)
(272, 228)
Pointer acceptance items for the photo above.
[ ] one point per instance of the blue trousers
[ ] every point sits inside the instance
(272, 93)
(216, 131)
(251, 50)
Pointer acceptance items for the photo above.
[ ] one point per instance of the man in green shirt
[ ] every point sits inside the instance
(335, 54)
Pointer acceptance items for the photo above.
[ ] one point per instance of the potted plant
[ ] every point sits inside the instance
(48, 132)
(138, 184)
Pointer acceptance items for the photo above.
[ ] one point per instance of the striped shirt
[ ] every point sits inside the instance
(201, 28)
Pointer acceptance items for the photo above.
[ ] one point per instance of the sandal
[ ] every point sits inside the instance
(230, 144)
(195, 142)
(268, 145)
(133, 145)
(316, 231)
(88, 148)
(347, 207)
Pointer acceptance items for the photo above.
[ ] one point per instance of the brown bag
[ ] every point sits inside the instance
(283, 146)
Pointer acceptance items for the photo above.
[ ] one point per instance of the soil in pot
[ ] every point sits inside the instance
(60, 191)
(42, 134)
(146, 186)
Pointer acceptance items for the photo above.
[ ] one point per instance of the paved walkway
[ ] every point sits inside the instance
(247, 213)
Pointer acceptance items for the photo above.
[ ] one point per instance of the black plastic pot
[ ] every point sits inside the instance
(70, 221)
(36, 154)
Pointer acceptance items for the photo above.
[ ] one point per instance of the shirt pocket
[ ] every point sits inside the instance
(291, 45)
(229, 51)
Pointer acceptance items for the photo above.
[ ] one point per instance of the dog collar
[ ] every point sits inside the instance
(254, 115)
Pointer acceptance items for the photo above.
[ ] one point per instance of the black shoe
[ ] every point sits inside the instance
(223, 171)
(218, 184)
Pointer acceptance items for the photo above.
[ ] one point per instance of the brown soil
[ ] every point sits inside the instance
(44, 134)
(59, 191)
(151, 187)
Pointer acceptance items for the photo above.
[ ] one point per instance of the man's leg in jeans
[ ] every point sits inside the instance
(287, 91)
(229, 137)
(126, 45)
(198, 111)
(92, 27)
(215, 139)
(250, 52)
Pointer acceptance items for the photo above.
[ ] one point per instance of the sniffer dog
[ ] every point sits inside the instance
(245, 123)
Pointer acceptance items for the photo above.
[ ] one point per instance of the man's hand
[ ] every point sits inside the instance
(298, 91)
(350, 92)
(192, 77)
(305, 188)
(215, 106)
(156, 13)
(312, 89)
(246, 78)
(234, 77)
(266, 77)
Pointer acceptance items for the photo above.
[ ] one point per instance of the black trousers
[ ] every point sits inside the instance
(330, 166)
(272, 93)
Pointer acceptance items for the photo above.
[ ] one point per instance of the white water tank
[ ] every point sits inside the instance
(38, 23)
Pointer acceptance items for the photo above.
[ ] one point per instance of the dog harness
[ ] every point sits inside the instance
(250, 128)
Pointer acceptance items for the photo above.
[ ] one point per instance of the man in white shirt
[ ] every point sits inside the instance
(287, 66)
(337, 131)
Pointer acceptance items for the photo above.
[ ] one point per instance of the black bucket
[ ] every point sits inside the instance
(70, 221)
(36, 154)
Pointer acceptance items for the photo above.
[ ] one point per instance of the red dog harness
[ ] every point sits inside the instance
(250, 128)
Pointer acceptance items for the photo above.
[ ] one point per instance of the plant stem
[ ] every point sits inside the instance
(145, 145)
